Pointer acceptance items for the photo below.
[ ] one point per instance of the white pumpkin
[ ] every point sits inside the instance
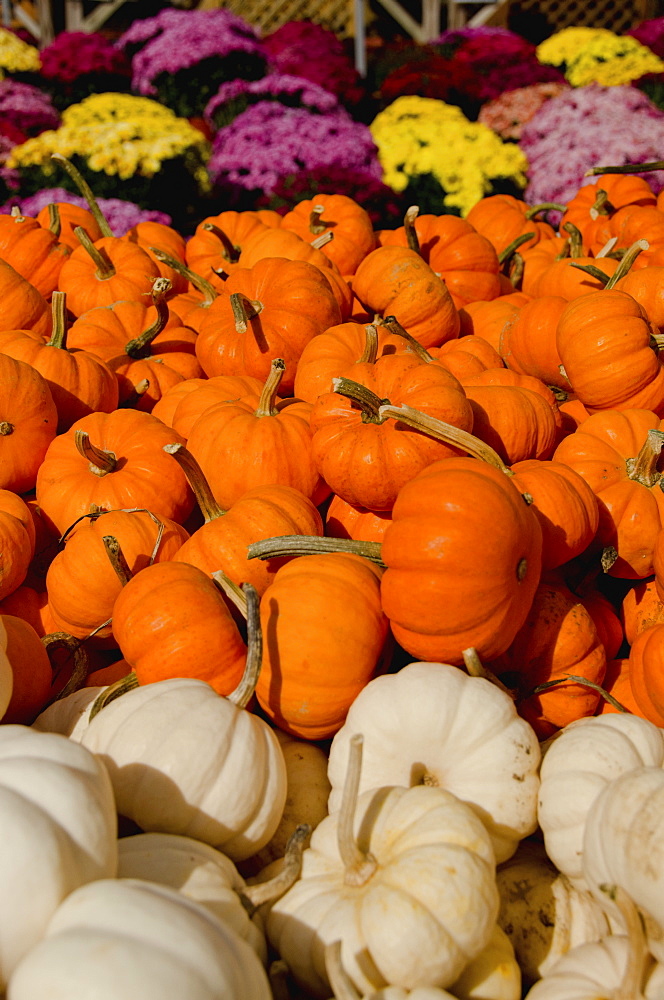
(582, 759)
(198, 871)
(120, 939)
(623, 845)
(432, 724)
(598, 971)
(404, 877)
(542, 912)
(493, 975)
(6, 674)
(58, 832)
(183, 759)
(70, 715)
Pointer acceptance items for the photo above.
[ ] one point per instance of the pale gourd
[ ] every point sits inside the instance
(493, 975)
(6, 675)
(542, 912)
(185, 760)
(403, 877)
(58, 832)
(619, 967)
(70, 715)
(124, 939)
(582, 759)
(432, 724)
(623, 845)
(198, 871)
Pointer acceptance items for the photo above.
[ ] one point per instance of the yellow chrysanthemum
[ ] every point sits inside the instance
(16, 56)
(116, 134)
(565, 45)
(612, 62)
(419, 135)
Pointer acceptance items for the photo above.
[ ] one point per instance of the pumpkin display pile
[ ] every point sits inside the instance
(332, 602)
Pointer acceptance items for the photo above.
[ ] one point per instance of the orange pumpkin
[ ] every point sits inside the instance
(528, 341)
(28, 423)
(17, 542)
(120, 464)
(463, 555)
(31, 669)
(218, 242)
(558, 638)
(33, 251)
(393, 281)
(110, 269)
(272, 310)
(645, 673)
(641, 608)
(171, 620)
(315, 665)
(502, 218)
(342, 217)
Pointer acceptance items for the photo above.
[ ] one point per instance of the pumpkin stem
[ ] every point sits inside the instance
(409, 227)
(59, 320)
(393, 326)
(601, 205)
(359, 865)
(637, 951)
(131, 401)
(341, 984)
(267, 402)
(230, 251)
(322, 240)
(278, 976)
(626, 168)
(231, 590)
(77, 656)
(476, 668)
(607, 248)
(545, 206)
(628, 259)
(316, 224)
(6, 428)
(370, 352)
(99, 255)
(369, 402)
(117, 559)
(253, 896)
(575, 246)
(201, 285)
(86, 191)
(139, 347)
(306, 545)
(505, 255)
(445, 432)
(54, 223)
(584, 682)
(209, 507)
(643, 468)
(113, 691)
(243, 693)
(594, 272)
(244, 309)
(101, 462)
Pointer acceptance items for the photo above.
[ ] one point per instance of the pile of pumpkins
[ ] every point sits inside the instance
(332, 564)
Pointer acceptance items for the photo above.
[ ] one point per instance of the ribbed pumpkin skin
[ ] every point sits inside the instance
(33, 251)
(645, 673)
(23, 307)
(134, 277)
(465, 260)
(315, 665)
(463, 556)
(263, 512)
(17, 542)
(604, 344)
(170, 620)
(502, 217)
(348, 222)
(145, 475)
(367, 463)
(28, 423)
(81, 583)
(631, 513)
(621, 189)
(297, 303)
(393, 281)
